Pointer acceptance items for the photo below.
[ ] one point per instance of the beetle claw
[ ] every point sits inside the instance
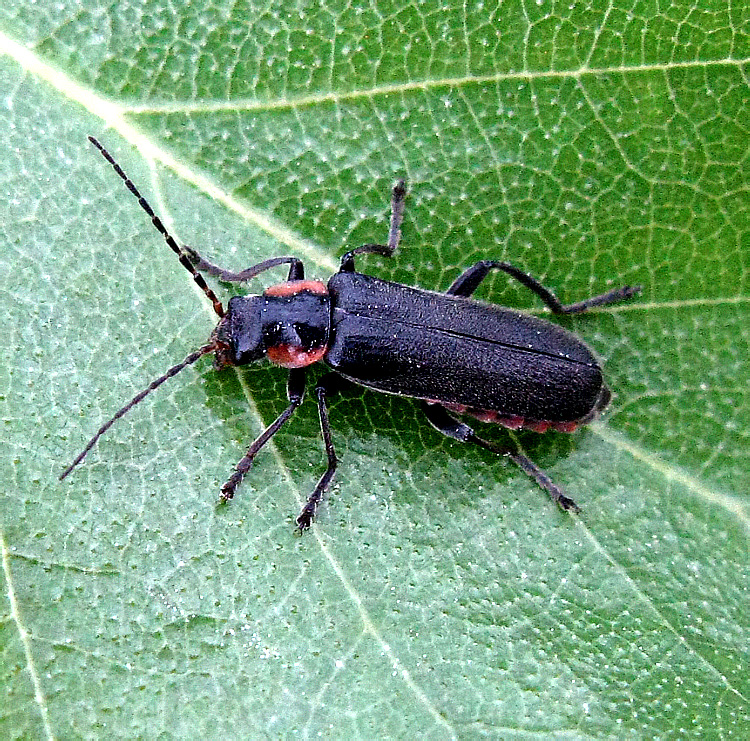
(305, 520)
(568, 504)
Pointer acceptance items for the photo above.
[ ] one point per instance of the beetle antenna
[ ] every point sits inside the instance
(184, 260)
(139, 397)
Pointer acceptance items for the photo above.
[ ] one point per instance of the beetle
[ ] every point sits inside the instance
(456, 355)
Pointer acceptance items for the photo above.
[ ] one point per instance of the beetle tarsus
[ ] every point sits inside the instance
(306, 517)
(611, 297)
(398, 197)
(568, 504)
(227, 491)
(542, 479)
(295, 388)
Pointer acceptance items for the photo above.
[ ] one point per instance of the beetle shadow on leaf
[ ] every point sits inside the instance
(385, 445)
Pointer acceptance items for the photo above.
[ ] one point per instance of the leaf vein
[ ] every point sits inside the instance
(25, 637)
(300, 101)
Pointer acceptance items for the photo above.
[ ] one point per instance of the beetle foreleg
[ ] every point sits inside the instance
(446, 423)
(296, 269)
(398, 196)
(469, 281)
(326, 385)
(295, 391)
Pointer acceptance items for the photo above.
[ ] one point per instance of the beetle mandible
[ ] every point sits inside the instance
(453, 353)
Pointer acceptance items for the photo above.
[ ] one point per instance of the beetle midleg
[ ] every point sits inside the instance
(295, 391)
(296, 269)
(446, 423)
(398, 196)
(327, 385)
(469, 281)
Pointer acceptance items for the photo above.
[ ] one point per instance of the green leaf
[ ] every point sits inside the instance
(440, 594)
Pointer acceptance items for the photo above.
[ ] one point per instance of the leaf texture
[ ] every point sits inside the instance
(440, 594)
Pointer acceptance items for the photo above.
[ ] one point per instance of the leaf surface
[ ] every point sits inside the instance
(440, 593)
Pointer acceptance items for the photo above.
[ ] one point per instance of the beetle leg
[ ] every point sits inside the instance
(296, 269)
(469, 281)
(295, 391)
(446, 423)
(398, 197)
(326, 386)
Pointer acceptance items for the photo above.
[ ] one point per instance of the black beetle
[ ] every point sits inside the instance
(453, 353)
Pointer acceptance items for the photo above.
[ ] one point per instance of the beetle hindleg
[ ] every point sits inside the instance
(398, 196)
(295, 391)
(446, 423)
(296, 269)
(469, 281)
(326, 386)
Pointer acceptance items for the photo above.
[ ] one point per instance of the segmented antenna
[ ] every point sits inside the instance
(183, 258)
(139, 397)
